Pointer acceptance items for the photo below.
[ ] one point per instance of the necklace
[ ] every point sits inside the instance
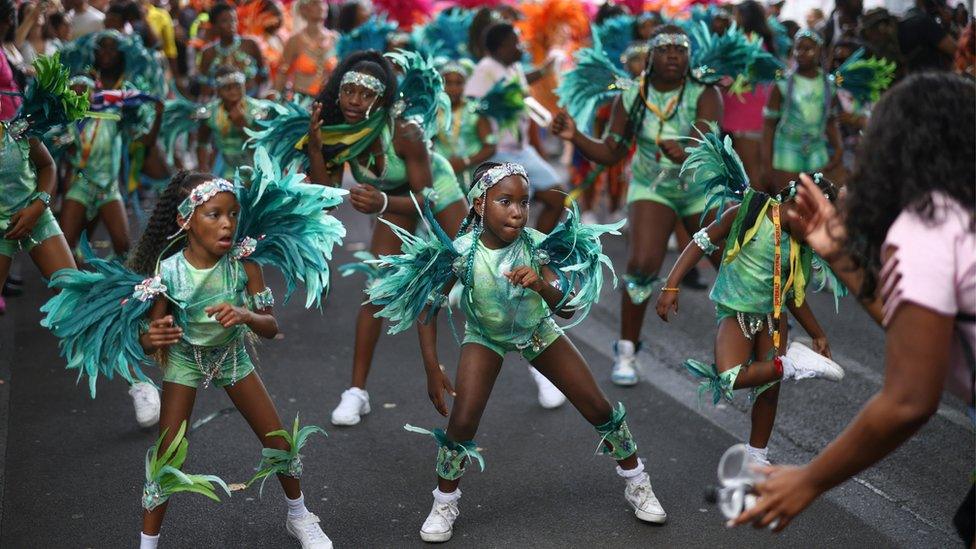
(670, 109)
(86, 146)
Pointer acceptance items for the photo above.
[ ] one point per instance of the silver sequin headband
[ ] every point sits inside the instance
(638, 49)
(674, 39)
(807, 33)
(365, 80)
(491, 178)
(236, 77)
(200, 195)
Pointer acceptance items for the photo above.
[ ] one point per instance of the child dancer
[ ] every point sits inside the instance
(763, 268)
(470, 138)
(204, 296)
(514, 279)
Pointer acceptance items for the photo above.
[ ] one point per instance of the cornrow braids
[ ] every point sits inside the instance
(475, 223)
(162, 223)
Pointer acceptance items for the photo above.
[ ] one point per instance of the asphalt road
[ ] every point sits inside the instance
(73, 466)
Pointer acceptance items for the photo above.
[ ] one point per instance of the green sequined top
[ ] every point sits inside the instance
(17, 179)
(196, 289)
(800, 144)
(745, 284)
(98, 151)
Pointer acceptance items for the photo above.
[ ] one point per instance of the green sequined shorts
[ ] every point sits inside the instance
(684, 197)
(45, 228)
(92, 196)
(183, 368)
(545, 335)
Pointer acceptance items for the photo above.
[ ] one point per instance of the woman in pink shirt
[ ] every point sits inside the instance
(8, 23)
(904, 242)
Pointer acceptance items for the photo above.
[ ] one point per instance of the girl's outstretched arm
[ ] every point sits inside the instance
(607, 151)
(804, 315)
(437, 380)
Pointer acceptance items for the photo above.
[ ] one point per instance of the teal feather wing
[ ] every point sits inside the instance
(715, 57)
(410, 279)
(96, 317)
(293, 232)
(717, 166)
(865, 79)
(180, 117)
(420, 93)
(594, 80)
(575, 254)
(279, 134)
(371, 35)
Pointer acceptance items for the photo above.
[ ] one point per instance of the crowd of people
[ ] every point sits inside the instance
(214, 139)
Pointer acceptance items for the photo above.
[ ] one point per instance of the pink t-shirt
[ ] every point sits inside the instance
(745, 113)
(8, 103)
(934, 265)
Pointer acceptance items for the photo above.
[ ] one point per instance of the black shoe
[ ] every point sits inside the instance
(9, 290)
(692, 280)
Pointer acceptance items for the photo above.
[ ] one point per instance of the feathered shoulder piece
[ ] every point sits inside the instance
(865, 79)
(781, 36)
(371, 35)
(615, 35)
(574, 252)
(594, 80)
(715, 57)
(279, 134)
(97, 315)
(715, 164)
(504, 103)
(420, 93)
(284, 224)
(181, 117)
(49, 102)
(411, 280)
(445, 38)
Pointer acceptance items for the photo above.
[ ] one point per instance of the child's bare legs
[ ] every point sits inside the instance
(73, 220)
(477, 370)
(253, 402)
(117, 225)
(650, 226)
(177, 405)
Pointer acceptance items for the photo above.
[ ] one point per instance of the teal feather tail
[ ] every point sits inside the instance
(284, 462)
(279, 134)
(594, 80)
(371, 35)
(865, 79)
(504, 102)
(575, 254)
(96, 316)
(717, 166)
(420, 94)
(367, 265)
(446, 36)
(294, 233)
(164, 478)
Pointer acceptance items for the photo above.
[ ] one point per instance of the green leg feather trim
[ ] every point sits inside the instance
(452, 457)
(720, 384)
(164, 478)
(640, 287)
(617, 434)
(284, 462)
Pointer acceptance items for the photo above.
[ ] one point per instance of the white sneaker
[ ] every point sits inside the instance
(624, 364)
(641, 497)
(808, 364)
(549, 396)
(307, 530)
(439, 525)
(758, 455)
(354, 404)
(145, 398)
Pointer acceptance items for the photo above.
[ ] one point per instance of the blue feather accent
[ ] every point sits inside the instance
(96, 318)
(279, 134)
(371, 35)
(420, 93)
(718, 167)
(594, 80)
(294, 233)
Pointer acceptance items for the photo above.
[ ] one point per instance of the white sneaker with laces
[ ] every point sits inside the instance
(641, 497)
(354, 405)
(624, 371)
(439, 525)
(809, 364)
(145, 399)
(549, 396)
(307, 530)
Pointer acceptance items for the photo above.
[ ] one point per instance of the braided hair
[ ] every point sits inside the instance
(370, 62)
(162, 223)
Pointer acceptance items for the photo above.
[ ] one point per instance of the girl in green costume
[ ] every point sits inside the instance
(763, 268)
(470, 139)
(665, 106)
(514, 280)
(224, 121)
(230, 49)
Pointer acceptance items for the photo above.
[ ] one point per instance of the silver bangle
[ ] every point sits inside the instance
(386, 203)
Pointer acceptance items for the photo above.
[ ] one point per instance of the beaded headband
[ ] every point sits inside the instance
(491, 178)
(200, 195)
(236, 77)
(458, 67)
(811, 34)
(637, 49)
(365, 80)
(673, 39)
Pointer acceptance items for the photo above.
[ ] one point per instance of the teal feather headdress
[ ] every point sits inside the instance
(371, 35)
(420, 93)
(614, 36)
(141, 67)
(594, 80)
(504, 103)
(716, 166)
(865, 79)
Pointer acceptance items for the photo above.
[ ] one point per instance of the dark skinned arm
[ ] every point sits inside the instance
(262, 322)
(163, 331)
(775, 103)
(23, 221)
(527, 277)
(804, 315)
(608, 150)
(707, 110)
(437, 380)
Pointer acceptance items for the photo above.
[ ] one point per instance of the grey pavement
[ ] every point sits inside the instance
(73, 466)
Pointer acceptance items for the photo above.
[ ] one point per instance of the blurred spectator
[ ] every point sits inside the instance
(965, 61)
(83, 18)
(8, 79)
(842, 21)
(925, 43)
(879, 29)
(815, 18)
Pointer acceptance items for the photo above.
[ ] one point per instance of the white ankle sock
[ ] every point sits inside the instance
(759, 454)
(296, 507)
(446, 497)
(147, 541)
(632, 475)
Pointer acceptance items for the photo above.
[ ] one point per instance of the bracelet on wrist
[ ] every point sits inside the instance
(386, 203)
(669, 289)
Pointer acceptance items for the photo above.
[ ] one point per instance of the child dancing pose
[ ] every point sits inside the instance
(762, 268)
(200, 297)
(515, 279)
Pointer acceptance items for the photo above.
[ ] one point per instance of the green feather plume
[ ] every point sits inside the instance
(279, 134)
(504, 103)
(420, 93)
(467, 448)
(594, 80)
(716, 166)
(865, 79)
(49, 102)
(288, 219)
(164, 478)
(96, 316)
(371, 35)
(719, 384)
(284, 462)
(825, 279)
